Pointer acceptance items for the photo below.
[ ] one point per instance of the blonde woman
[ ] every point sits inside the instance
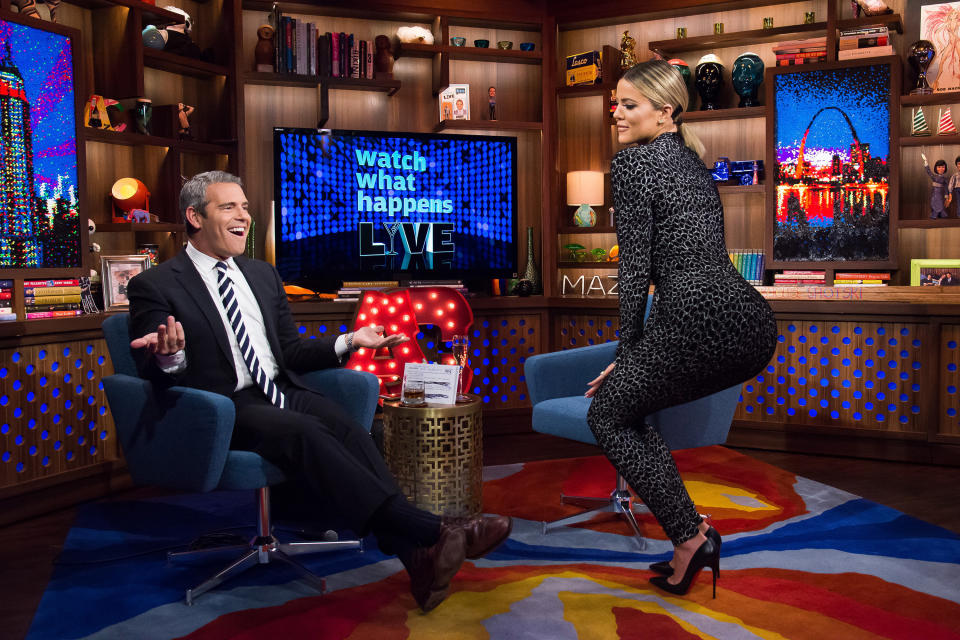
(708, 328)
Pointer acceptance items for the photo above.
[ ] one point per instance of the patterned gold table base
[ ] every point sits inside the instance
(436, 455)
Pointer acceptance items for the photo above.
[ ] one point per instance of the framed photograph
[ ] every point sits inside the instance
(115, 273)
(932, 272)
(939, 23)
(42, 222)
(834, 164)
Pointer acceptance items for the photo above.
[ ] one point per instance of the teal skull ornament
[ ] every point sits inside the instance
(747, 76)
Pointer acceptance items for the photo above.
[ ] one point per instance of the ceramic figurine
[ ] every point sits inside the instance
(921, 55)
(492, 96)
(709, 79)
(183, 115)
(383, 59)
(628, 56)
(263, 53)
(684, 70)
(747, 76)
(938, 187)
(144, 112)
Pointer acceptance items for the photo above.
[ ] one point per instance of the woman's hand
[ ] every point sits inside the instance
(594, 384)
(925, 163)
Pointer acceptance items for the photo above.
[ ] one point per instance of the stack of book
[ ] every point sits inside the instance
(353, 291)
(860, 279)
(801, 51)
(51, 298)
(453, 284)
(864, 42)
(6, 301)
(300, 48)
(799, 278)
(749, 262)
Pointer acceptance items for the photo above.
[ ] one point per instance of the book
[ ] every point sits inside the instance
(55, 299)
(795, 61)
(849, 281)
(859, 42)
(36, 315)
(8, 317)
(371, 48)
(30, 292)
(64, 306)
(876, 30)
(800, 54)
(867, 52)
(366, 284)
(6, 294)
(6, 284)
(63, 282)
(335, 55)
(455, 102)
(857, 275)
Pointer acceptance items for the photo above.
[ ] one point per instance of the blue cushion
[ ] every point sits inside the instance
(564, 417)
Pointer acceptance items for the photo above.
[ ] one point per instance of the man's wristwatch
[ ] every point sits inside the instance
(349, 340)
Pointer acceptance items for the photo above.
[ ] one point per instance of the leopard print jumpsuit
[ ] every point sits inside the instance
(708, 328)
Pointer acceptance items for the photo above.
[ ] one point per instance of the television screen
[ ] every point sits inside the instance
(832, 146)
(373, 205)
(39, 218)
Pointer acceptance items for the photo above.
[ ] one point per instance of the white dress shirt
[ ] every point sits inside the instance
(252, 320)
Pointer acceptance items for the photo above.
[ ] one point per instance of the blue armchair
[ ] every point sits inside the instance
(556, 383)
(179, 438)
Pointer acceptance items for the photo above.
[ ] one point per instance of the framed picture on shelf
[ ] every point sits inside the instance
(939, 23)
(831, 157)
(42, 222)
(115, 273)
(932, 272)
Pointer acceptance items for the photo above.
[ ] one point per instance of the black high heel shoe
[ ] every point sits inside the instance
(663, 567)
(707, 555)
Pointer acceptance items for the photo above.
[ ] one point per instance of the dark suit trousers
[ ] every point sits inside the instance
(319, 448)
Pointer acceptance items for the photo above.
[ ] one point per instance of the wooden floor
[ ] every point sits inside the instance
(28, 549)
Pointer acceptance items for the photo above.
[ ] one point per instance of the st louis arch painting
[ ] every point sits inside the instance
(832, 153)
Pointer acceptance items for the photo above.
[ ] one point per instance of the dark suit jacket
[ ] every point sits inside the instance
(176, 288)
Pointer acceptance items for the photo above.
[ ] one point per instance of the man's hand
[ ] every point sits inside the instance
(167, 340)
(373, 338)
(594, 384)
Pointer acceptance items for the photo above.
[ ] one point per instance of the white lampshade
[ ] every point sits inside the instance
(584, 187)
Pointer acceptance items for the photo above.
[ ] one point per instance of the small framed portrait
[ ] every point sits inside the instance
(116, 272)
(932, 272)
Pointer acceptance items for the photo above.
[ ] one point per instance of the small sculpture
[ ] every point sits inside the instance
(709, 78)
(492, 95)
(29, 8)
(921, 55)
(747, 76)
(183, 115)
(628, 56)
(263, 53)
(383, 60)
(684, 70)
(144, 113)
(415, 35)
(939, 198)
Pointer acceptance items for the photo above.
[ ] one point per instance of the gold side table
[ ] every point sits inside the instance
(436, 454)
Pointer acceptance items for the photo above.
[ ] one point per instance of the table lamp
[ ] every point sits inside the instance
(131, 201)
(584, 188)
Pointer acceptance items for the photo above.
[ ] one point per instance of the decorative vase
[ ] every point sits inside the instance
(144, 112)
(532, 273)
(747, 75)
(709, 78)
(920, 56)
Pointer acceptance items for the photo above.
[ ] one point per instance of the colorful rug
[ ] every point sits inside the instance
(800, 560)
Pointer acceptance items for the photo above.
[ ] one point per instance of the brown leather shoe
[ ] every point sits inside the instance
(432, 568)
(483, 533)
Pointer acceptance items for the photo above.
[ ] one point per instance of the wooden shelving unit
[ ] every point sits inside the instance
(484, 125)
(736, 113)
(280, 79)
(668, 48)
(170, 62)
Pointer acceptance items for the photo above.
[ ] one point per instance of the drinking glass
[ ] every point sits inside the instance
(461, 348)
(412, 394)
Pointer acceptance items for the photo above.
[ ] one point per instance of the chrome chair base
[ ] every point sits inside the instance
(621, 502)
(263, 549)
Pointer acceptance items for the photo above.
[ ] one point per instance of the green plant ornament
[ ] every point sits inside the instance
(576, 251)
(599, 254)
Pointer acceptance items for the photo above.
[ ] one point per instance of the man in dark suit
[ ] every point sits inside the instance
(214, 320)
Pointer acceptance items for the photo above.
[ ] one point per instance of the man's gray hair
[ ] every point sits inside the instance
(194, 193)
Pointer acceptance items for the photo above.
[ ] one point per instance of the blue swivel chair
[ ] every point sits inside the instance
(556, 383)
(179, 438)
